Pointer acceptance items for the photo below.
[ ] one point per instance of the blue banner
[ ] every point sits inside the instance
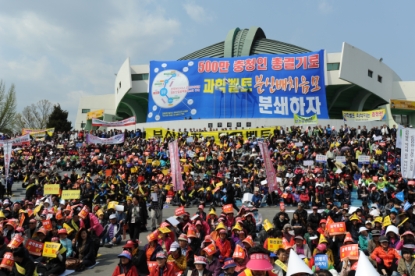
(260, 86)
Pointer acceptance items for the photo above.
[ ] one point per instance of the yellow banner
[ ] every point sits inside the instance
(245, 133)
(51, 189)
(301, 120)
(50, 249)
(402, 104)
(38, 132)
(95, 114)
(364, 116)
(71, 194)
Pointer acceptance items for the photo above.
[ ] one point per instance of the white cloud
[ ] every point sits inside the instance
(196, 12)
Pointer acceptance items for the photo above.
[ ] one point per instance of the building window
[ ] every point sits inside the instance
(248, 124)
(219, 124)
(379, 78)
(238, 124)
(210, 125)
(120, 84)
(401, 119)
(229, 125)
(370, 73)
(333, 66)
(139, 77)
(86, 110)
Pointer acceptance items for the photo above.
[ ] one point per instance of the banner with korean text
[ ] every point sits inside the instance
(176, 171)
(408, 153)
(260, 86)
(38, 133)
(302, 120)
(364, 116)
(243, 133)
(95, 114)
(269, 168)
(117, 139)
(126, 122)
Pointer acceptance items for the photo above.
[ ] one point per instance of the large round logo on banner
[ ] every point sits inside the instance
(169, 88)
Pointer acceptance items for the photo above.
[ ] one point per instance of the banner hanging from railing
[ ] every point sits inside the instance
(260, 86)
(117, 139)
(126, 122)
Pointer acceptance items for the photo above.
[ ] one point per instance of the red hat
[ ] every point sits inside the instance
(323, 221)
(259, 262)
(129, 244)
(55, 239)
(62, 232)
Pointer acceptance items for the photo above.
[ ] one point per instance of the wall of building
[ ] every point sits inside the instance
(123, 81)
(106, 102)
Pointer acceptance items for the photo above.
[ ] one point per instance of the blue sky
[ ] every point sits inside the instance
(61, 50)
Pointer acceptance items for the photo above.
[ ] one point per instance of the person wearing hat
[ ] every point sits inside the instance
(250, 225)
(300, 247)
(125, 266)
(200, 267)
(374, 242)
(259, 263)
(364, 239)
(23, 264)
(223, 245)
(228, 268)
(185, 248)
(66, 243)
(386, 257)
(212, 219)
(163, 268)
(212, 262)
(112, 232)
(406, 265)
(176, 258)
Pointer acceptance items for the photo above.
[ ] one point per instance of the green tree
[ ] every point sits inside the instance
(59, 119)
(7, 108)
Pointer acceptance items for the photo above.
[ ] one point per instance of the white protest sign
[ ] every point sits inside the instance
(341, 159)
(299, 144)
(408, 153)
(320, 158)
(247, 197)
(363, 159)
(377, 138)
(308, 162)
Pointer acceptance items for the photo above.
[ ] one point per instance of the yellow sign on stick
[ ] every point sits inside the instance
(51, 189)
(50, 249)
(71, 194)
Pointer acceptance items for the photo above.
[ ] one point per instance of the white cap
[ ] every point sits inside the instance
(296, 265)
(364, 267)
(361, 229)
(174, 246)
(113, 216)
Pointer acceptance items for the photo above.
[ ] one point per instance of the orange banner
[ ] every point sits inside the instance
(179, 211)
(350, 251)
(8, 261)
(336, 228)
(16, 241)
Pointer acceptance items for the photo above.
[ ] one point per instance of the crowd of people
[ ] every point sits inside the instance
(124, 188)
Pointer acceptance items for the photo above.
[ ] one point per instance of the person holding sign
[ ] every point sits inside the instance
(49, 265)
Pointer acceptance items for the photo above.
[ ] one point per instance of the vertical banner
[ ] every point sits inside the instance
(408, 153)
(399, 136)
(7, 147)
(269, 168)
(176, 172)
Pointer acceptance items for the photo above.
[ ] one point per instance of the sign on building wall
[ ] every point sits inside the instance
(402, 104)
(260, 86)
(95, 114)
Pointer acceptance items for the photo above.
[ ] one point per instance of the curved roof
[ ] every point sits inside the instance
(245, 42)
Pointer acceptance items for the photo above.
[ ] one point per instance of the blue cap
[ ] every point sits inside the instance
(125, 254)
(272, 255)
(228, 263)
